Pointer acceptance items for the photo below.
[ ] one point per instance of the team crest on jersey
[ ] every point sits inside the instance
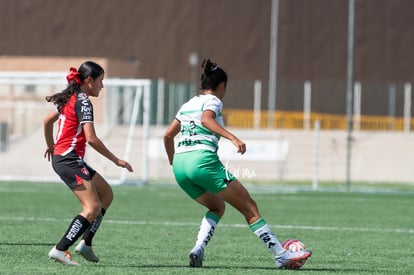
(84, 171)
(82, 96)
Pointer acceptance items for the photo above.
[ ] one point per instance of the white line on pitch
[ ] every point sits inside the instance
(301, 227)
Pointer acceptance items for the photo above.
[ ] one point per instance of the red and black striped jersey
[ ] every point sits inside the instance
(70, 135)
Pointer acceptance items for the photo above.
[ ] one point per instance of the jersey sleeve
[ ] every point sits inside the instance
(84, 108)
(213, 104)
(178, 115)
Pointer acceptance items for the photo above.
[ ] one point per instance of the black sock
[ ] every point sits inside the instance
(75, 230)
(91, 231)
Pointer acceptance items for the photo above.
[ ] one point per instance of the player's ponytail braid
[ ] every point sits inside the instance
(61, 98)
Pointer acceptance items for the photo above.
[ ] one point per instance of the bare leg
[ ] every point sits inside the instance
(105, 194)
(237, 195)
(216, 207)
(89, 200)
(104, 190)
(91, 207)
(214, 203)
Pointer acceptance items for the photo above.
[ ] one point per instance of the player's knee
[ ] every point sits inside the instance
(91, 211)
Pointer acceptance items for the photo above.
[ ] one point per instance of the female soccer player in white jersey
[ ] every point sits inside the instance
(200, 173)
(74, 113)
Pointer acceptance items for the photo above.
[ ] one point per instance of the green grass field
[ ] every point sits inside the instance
(150, 230)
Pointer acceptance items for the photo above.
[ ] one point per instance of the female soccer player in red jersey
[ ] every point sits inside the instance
(74, 113)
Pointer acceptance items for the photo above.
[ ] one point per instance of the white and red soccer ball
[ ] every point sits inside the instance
(294, 245)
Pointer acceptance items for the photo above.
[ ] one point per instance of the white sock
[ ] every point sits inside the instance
(263, 231)
(207, 227)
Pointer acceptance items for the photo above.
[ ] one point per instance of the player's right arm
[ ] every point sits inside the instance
(48, 122)
(95, 142)
(208, 120)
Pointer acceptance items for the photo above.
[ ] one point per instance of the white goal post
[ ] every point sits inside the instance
(142, 94)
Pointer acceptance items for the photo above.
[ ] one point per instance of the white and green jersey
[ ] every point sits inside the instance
(195, 136)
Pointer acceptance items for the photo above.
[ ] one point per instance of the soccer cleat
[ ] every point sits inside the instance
(287, 258)
(62, 256)
(196, 256)
(86, 252)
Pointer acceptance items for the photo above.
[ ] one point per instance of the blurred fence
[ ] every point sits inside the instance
(390, 115)
(297, 120)
(22, 104)
(282, 151)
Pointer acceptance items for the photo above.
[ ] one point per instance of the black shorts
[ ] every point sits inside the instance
(72, 169)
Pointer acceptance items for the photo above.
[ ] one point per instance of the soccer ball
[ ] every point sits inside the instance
(294, 245)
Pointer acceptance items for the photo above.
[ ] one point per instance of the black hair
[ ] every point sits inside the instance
(88, 68)
(212, 75)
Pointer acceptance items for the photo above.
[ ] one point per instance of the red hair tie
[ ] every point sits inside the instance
(73, 75)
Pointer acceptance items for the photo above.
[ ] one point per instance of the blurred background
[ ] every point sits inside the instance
(320, 90)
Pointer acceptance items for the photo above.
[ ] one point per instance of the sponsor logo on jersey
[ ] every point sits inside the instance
(86, 109)
(76, 227)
